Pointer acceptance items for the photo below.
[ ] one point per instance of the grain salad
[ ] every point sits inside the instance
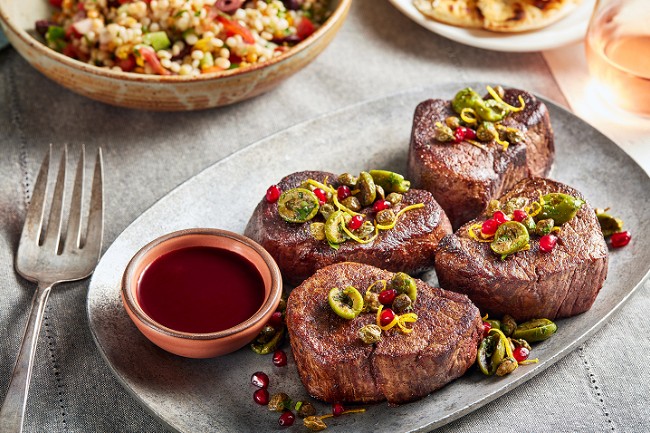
(179, 37)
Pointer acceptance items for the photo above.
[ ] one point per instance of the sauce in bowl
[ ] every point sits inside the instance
(200, 289)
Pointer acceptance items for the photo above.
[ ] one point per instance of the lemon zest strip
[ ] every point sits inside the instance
(496, 96)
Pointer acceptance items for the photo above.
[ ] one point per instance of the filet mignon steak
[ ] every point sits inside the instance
(529, 284)
(336, 365)
(409, 247)
(464, 178)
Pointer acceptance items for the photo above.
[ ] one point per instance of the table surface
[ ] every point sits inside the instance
(601, 386)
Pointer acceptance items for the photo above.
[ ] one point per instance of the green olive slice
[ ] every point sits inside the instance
(404, 283)
(347, 302)
(535, 330)
(367, 189)
(560, 207)
(608, 223)
(334, 227)
(510, 237)
(490, 353)
(390, 181)
(298, 205)
(465, 98)
(491, 110)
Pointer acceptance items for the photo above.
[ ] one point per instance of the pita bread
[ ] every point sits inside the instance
(497, 15)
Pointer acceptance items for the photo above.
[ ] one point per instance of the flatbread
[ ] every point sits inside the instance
(497, 15)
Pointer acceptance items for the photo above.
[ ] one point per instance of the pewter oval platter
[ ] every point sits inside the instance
(215, 394)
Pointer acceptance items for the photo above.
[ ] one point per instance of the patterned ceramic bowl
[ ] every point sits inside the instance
(155, 92)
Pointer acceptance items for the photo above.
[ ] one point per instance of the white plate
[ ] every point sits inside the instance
(568, 30)
(216, 395)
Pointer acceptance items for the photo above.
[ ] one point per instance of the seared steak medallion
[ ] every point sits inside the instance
(462, 177)
(529, 284)
(409, 247)
(336, 365)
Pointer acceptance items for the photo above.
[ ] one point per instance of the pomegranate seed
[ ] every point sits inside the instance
(273, 193)
(381, 205)
(261, 396)
(621, 239)
(386, 317)
(519, 215)
(276, 319)
(459, 134)
(286, 419)
(499, 217)
(343, 192)
(486, 329)
(355, 222)
(279, 358)
(547, 243)
(520, 353)
(337, 409)
(470, 134)
(489, 227)
(260, 379)
(386, 297)
(322, 195)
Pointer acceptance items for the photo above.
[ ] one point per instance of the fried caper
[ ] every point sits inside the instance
(263, 348)
(508, 325)
(402, 303)
(385, 217)
(352, 203)
(347, 303)
(493, 206)
(314, 423)
(394, 198)
(535, 330)
(266, 334)
(298, 205)
(515, 203)
(443, 133)
(305, 409)
(513, 135)
(506, 366)
(390, 181)
(530, 224)
(453, 122)
(486, 131)
(279, 402)
(403, 283)
(544, 227)
(347, 179)
(509, 238)
(366, 230)
(560, 207)
(327, 209)
(608, 223)
(370, 333)
(367, 190)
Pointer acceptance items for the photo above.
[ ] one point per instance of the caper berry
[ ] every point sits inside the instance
(453, 122)
(370, 333)
(352, 203)
(367, 190)
(403, 283)
(509, 238)
(347, 303)
(347, 179)
(279, 402)
(492, 207)
(514, 136)
(544, 227)
(317, 231)
(314, 423)
(305, 409)
(443, 133)
(508, 365)
(385, 217)
(508, 325)
(402, 303)
(394, 198)
(560, 207)
(486, 131)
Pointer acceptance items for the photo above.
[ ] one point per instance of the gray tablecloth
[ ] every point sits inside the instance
(601, 386)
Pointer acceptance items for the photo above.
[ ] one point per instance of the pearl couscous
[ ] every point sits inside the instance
(179, 37)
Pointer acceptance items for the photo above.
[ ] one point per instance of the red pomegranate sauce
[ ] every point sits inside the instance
(200, 289)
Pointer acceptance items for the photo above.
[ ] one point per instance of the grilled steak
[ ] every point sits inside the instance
(529, 284)
(464, 178)
(336, 365)
(409, 247)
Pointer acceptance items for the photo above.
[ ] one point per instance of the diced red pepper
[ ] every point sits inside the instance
(233, 28)
(149, 56)
(127, 65)
(305, 28)
(56, 3)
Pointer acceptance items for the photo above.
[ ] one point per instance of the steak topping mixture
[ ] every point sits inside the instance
(342, 210)
(480, 119)
(509, 228)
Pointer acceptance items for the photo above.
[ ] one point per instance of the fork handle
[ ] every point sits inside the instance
(13, 407)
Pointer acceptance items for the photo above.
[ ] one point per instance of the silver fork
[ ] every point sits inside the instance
(52, 258)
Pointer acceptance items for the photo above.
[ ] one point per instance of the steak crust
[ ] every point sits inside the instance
(409, 247)
(529, 284)
(464, 178)
(336, 366)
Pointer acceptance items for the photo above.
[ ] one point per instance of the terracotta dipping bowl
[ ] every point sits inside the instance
(212, 344)
(155, 92)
